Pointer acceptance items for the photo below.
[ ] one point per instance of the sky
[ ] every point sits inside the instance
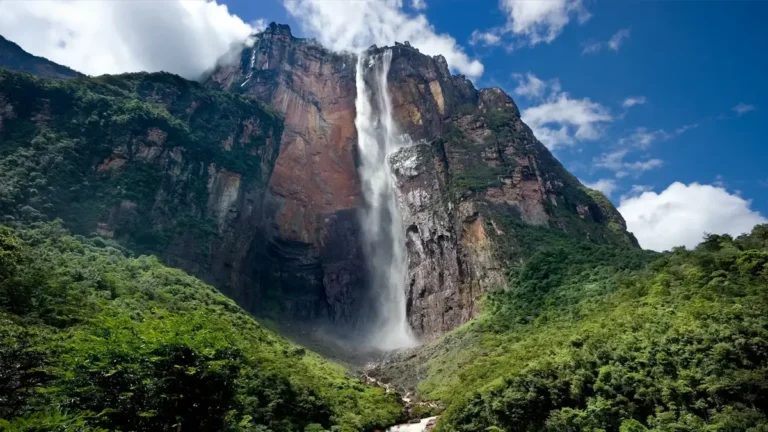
(659, 104)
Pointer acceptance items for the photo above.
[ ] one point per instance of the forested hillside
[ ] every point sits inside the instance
(91, 339)
(592, 338)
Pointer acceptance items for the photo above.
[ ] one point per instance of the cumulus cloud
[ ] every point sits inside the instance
(98, 37)
(613, 44)
(606, 186)
(560, 120)
(355, 25)
(743, 108)
(681, 214)
(632, 101)
(564, 121)
(541, 21)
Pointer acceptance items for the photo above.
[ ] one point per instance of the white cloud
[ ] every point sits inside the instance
(686, 128)
(644, 165)
(355, 25)
(530, 86)
(97, 37)
(633, 100)
(419, 4)
(488, 38)
(640, 139)
(539, 21)
(563, 121)
(560, 120)
(743, 108)
(614, 161)
(258, 25)
(617, 39)
(681, 214)
(606, 186)
(613, 44)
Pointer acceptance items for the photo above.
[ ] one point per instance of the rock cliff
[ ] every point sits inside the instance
(157, 163)
(314, 190)
(473, 183)
(265, 204)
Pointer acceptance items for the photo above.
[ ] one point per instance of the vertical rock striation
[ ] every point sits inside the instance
(314, 190)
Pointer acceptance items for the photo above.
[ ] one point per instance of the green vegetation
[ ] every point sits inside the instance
(603, 338)
(132, 150)
(474, 175)
(91, 339)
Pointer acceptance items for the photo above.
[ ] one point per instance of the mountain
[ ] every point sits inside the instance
(334, 196)
(476, 176)
(162, 164)
(262, 200)
(14, 57)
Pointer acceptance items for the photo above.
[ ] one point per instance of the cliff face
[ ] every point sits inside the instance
(473, 184)
(158, 163)
(314, 190)
(265, 204)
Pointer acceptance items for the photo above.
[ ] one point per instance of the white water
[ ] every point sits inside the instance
(383, 231)
(412, 427)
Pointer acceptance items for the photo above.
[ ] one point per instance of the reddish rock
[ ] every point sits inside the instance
(314, 189)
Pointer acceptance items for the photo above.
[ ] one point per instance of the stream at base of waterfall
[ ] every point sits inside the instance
(424, 425)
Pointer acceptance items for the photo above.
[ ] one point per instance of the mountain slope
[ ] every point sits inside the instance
(159, 163)
(95, 340)
(14, 57)
(605, 338)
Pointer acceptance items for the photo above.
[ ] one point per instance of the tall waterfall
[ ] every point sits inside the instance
(382, 226)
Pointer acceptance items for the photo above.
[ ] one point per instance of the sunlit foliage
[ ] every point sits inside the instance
(91, 339)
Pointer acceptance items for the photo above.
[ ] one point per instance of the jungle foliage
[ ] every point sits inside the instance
(91, 339)
(78, 149)
(603, 338)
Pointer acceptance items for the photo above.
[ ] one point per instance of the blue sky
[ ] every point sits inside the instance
(660, 104)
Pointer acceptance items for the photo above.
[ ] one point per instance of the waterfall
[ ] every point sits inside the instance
(382, 226)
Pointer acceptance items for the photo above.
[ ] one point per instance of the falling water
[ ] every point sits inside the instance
(383, 237)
